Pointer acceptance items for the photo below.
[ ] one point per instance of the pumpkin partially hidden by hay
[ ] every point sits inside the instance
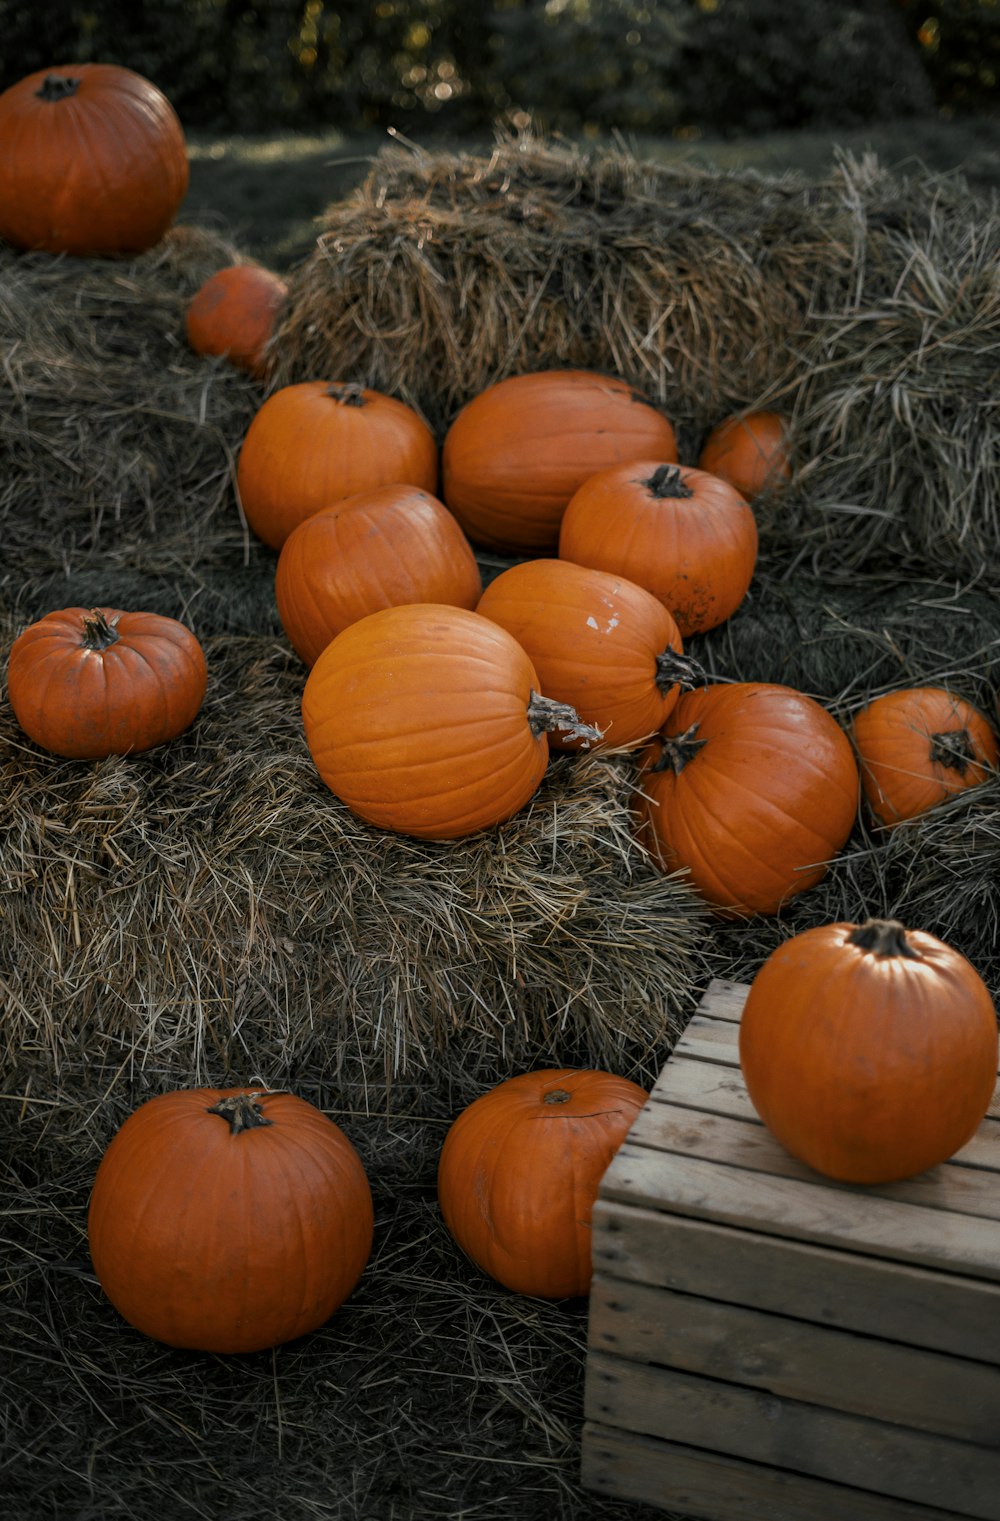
(917, 747)
(234, 315)
(750, 451)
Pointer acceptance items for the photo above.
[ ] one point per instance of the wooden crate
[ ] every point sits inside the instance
(765, 1343)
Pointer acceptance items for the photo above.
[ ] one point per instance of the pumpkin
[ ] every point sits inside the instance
(234, 313)
(519, 1172)
(918, 746)
(598, 642)
(311, 444)
(377, 549)
(869, 1051)
(427, 720)
(229, 1219)
(686, 536)
(88, 683)
(750, 451)
(516, 453)
(752, 788)
(92, 161)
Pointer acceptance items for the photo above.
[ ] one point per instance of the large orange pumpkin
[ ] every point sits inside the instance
(91, 682)
(686, 536)
(92, 161)
(516, 453)
(427, 720)
(377, 549)
(870, 1051)
(520, 1169)
(918, 746)
(753, 788)
(234, 313)
(229, 1219)
(750, 451)
(313, 443)
(598, 642)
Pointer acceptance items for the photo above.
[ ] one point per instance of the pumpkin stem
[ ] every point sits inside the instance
(98, 633)
(883, 937)
(677, 749)
(545, 714)
(557, 1096)
(347, 393)
(242, 1111)
(57, 87)
(953, 748)
(667, 481)
(674, 669)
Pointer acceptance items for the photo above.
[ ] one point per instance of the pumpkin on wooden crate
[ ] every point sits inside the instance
(870, 1051)
(86, 683)
(428, 720)
(605, 646)
(92, 161)
(516, 453)
(234, 314)
(751, 787)
(519, 1173)
(313, 443)
(684, 535)
(377, 549)
(749, 450)
(229, 1219)
(917, 747)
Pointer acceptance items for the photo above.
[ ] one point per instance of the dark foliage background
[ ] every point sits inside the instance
(676, 66)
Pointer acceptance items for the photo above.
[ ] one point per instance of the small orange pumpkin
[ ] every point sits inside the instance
(918, 746)
(687, 537)
(750, 451)
(234, 313)
(229, 1219)
(870, 1051)
(519, 1173)
(313, 443)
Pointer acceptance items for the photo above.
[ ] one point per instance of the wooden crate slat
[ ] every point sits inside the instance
(875, 1296)
(690, 1482)
(860, 1375)
(957, 1477)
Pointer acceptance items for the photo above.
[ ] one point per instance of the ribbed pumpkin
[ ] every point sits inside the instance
(750, 451)
(686, 536)
(234, 313)
(427, 720)
(229, 1219)
(753, 788)
(91, 682)
(516, 453)
(919, 746)
(870, 1051)
(519, 1173)
(313, 443)
(377, 549)
(92, 161)
(598, 642)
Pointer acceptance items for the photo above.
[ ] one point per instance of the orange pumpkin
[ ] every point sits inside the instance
(750, 451)
(516, 453)
(919, 746)
(92, 161)
(427, 720)
(377, 549)
(598, 642)
(228, 1219)
(234, 313)
(520, 1169)
(870, 1051)
(686, 536)
(313, 443)
(87, 683)
(751, 787)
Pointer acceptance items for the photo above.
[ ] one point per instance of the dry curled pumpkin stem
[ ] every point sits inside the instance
(242, 1111)
(667, 481)
(883, 937)
(674, 669)
(347, 393)
(677, 749)
(545, 714)
(57, 87)
(98, 633)
(953, 748)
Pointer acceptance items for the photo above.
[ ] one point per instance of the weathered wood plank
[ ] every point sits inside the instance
(860, 1375)
(957, 1477)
